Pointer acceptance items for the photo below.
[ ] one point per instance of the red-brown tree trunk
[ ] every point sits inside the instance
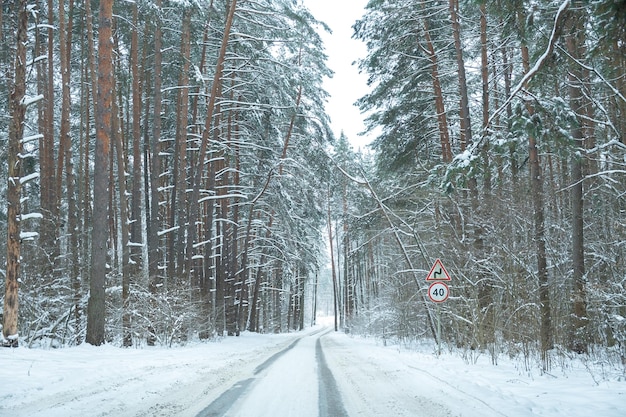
(96, 304)
(49, 200)
(442, 118)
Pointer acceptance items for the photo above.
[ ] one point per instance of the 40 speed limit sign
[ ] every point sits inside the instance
(438, 292)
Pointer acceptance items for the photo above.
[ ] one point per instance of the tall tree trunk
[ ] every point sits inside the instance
(17, 109)
(201, 68)
(260, 275)
(113, 257)
(466, 126)
(179, 203)
(484, 59)
(154, 250)
(49, 205)
(65, 41)
(136, 226)
(220, 277)
(340, 282)
(536, 182)
(332, 264)
(93, 77)
(89, 105)
(348, 285)
(314, 308)
(485, 287)
(442, 118)
(507, 73)
(226, 258)
(209, 277)
(96, 304)
(65, 50)
(124, 224)
(575, 40)
(238, 269)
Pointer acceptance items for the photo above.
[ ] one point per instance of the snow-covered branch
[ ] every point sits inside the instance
(29, 216)
(27, 178)
(27, 139)
(166, 231)
(29, 235)
(27, 101)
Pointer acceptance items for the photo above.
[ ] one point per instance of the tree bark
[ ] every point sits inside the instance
(442, 118)
(485, 288)
(17, 109)
(96, 304)
(154, 250)
(49, 200)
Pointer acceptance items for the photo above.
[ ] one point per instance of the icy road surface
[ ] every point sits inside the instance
(313, 373)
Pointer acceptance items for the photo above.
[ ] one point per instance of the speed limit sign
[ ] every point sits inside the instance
(438, 292)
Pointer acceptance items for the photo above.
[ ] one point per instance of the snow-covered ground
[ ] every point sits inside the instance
(372, 380)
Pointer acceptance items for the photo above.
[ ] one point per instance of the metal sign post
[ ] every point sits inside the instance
(438, 329)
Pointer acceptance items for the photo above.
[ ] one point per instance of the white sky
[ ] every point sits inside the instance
(347, 85)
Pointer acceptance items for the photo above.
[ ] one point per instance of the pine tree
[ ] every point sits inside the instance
(17, 106)
(96, 306)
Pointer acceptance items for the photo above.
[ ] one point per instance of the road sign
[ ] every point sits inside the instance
(438, 292)
(438, 272)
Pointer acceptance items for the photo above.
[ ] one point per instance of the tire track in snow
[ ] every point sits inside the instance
(330, 402)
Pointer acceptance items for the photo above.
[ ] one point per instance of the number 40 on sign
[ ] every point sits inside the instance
(438, 292)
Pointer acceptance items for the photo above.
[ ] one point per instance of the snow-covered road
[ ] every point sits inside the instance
(323, 376)
(287, 384)
(315, 373)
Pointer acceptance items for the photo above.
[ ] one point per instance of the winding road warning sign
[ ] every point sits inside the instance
(438, 272)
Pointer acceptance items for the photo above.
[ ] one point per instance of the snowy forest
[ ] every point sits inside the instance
(170, 173)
